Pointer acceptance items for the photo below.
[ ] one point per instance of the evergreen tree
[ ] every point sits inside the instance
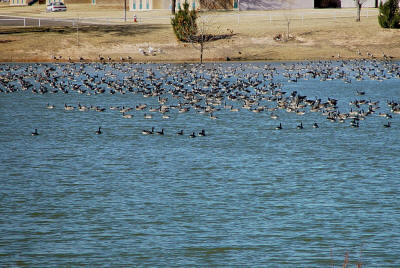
(389, 16)
(184, 23)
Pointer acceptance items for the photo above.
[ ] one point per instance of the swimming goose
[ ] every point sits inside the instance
(98, 132)
(354, 123)
(148, 116)
(180, 132)
(202, 133)
(279, 127)
(274, 116)
(50, 106)
(160, 132)
(387, 125)
(148, 132)
(213, 116)
(35, 133)
(315, 125)
(68, 107)
(124, 115)
(300, 126)
(192, 135)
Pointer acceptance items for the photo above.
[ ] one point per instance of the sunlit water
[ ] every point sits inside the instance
(244, 195)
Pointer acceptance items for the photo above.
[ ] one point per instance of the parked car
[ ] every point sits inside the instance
(56, 6)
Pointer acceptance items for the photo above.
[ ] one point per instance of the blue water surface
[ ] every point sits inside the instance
(244, 195)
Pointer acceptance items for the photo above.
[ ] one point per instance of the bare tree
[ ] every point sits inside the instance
(359, 4)
(173, 5)
(205, 34)
(202, 31)
(288, 6)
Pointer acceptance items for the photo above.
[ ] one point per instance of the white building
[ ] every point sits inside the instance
(368, 3)
(275, 4)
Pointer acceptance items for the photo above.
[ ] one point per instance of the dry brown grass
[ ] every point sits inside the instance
(313, 38)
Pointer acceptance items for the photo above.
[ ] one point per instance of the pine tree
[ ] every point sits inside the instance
(389, 16)
(184, 23)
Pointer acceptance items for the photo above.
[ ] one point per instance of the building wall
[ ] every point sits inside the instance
(161, 4)
(217, 4)
(140, 5)
(368, 3)
(193, 4)
(351, 3)
(69, 1)
(18, 2)
(275, 4)
(112, 2)
(76, 1)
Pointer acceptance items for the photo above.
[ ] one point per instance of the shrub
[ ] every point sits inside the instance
(184, 23)
(389, 16)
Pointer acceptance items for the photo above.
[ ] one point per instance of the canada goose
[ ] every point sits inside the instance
(354, 124)
(360, 93)
(213, 116)
(82, 108)
(274, 116)
(202, 133)
(279, 127)
(300, 126)
(148, 132)
(50, 106)
(98, 132)
(68, 107)
(160, 132)
(35, 133)
(148, 116)
(192, 135)
(180, 132)
(315, 125)
(124, 115)
(387, 125)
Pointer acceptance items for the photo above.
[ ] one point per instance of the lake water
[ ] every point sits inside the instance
(244, 195)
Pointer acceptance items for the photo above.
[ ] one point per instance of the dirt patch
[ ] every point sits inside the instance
(252, 38)
(6, 41)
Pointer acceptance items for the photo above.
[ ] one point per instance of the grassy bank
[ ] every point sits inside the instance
(324, 34)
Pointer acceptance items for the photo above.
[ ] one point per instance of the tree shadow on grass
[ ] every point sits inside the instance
(208, 38)
(115, 30)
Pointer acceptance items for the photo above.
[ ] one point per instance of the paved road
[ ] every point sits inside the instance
(18, 21)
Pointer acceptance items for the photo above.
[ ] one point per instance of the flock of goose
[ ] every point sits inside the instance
(207, 89)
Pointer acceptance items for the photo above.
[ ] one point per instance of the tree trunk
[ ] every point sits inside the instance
(201, 51)
(358, 11)
(173, 4)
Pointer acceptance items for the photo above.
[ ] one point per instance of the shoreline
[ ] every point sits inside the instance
(251, 39)
(133, 61)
